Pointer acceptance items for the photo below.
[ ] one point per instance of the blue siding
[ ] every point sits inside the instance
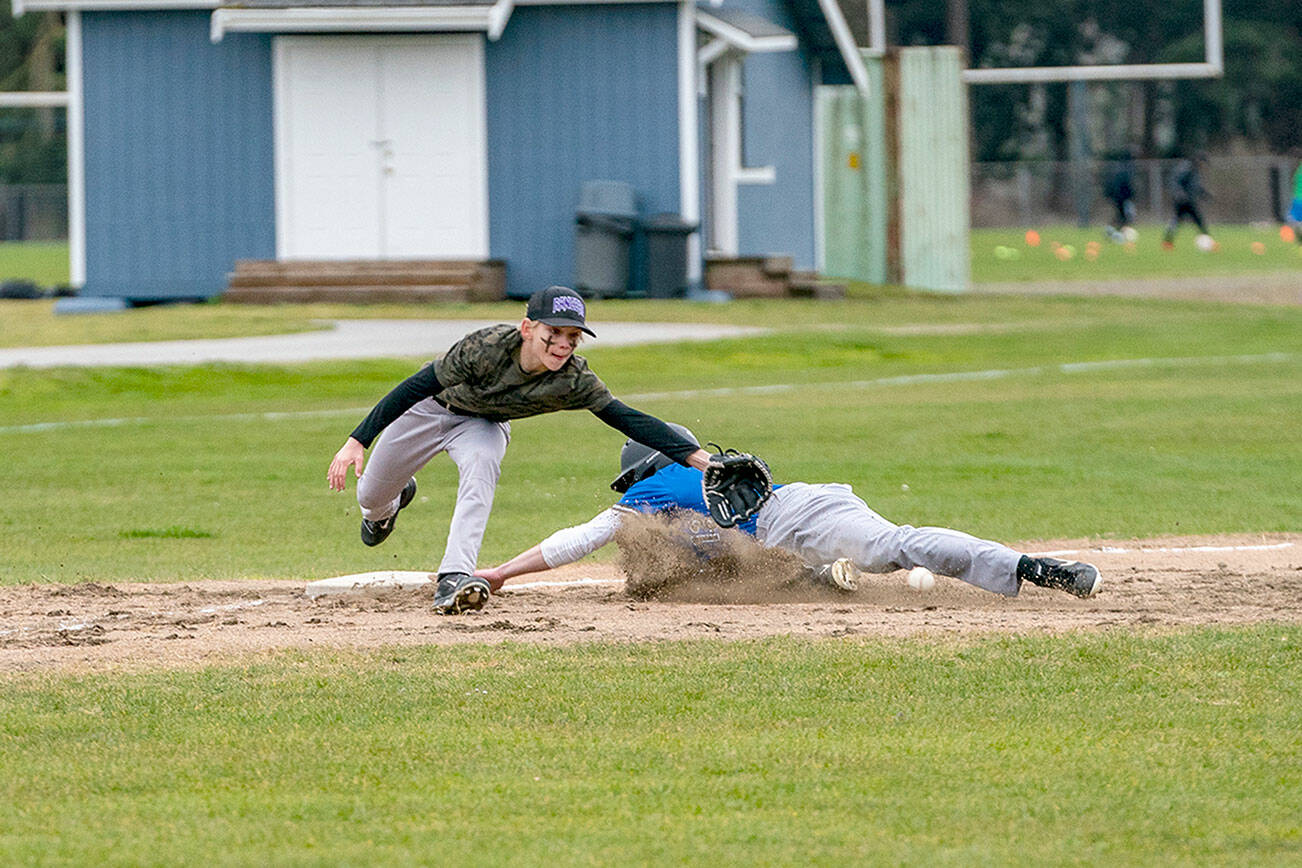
(179, 154)
(576, 93)
(778, 131)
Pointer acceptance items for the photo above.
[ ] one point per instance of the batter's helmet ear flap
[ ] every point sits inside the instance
(638, 461)
(635, 465)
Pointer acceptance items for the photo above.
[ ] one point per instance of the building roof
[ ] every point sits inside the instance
(745, 31)
(821, 23)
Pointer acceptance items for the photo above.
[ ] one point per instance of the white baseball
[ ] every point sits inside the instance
(921, 579)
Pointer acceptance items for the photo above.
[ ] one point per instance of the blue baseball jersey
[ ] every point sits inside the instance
(674, 487)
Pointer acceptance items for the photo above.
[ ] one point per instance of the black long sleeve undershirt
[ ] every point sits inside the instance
(647, 430)
(420, 385)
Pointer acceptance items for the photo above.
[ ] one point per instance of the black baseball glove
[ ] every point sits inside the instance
(735, 485)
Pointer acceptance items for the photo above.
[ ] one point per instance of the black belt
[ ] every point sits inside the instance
(459, 412)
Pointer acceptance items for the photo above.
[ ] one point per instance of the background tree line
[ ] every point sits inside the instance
(1255, 108)
(33, 143)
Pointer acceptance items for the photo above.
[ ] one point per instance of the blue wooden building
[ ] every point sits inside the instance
(202, 133)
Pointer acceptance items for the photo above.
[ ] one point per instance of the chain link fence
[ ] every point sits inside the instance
(33, 212)
(1242, 190)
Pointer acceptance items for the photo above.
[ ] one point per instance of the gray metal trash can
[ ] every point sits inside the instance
(665, 236)
(603, 238)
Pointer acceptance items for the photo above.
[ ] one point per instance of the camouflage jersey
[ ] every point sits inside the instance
(481, 376)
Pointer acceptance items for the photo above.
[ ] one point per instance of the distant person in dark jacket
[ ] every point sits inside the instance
(1186, 189)
(1295, 212)
(1119, 188)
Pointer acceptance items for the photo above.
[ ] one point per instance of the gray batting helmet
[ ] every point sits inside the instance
(637, 461)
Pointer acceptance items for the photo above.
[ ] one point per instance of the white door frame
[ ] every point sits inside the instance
(723, 86)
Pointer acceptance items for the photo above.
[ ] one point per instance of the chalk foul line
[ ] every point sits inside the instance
(724, 392)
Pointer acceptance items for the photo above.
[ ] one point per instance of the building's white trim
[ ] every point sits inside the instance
(76, 126)
(876, 27)
(721, 73)
(724, 109)
(820, 170)
(711, 51)
(845, 45)
(689, 137)
(383, 19)
(742, 40)
(33, 99)
(498, 16)
(755, 175)
(280, 85)
(113, 5)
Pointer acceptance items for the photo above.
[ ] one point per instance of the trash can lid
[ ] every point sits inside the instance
(614, 198)
(668, 223)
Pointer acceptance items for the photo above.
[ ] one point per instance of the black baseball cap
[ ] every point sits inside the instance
(558, 306)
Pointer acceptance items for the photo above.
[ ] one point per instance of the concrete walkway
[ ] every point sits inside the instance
(345, 339)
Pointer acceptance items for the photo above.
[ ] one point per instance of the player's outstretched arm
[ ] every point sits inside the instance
(563, 547)
(400, 399)
(529, 561)
(652, 433)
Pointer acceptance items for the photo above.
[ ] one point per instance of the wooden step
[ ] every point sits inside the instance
(767, 277)
(349, 277)
(388, 294)
(363, 281)
(367, 266)
(807, 284)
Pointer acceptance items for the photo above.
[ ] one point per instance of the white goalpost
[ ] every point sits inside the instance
(1213, 66)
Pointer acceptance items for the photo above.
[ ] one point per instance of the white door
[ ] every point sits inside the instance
(380, 148)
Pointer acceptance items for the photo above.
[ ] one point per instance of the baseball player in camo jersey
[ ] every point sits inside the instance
(827, 526)
(462, 404)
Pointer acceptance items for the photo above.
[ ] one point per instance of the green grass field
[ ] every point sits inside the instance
(1004, 255)
(1176, 749)
(45, 262)
(1023, 418)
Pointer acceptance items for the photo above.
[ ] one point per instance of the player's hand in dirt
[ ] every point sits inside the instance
(494, 577)
(351, 453)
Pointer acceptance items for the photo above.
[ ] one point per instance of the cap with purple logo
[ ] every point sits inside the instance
(558, 306)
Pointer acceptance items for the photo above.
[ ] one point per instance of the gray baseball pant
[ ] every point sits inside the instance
(475, 445)
(821, 523)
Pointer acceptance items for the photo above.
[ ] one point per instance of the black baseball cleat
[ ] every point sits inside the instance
(1074, 577)
(376, 532)
(460, 592)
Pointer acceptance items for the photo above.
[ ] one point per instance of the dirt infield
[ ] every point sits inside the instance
(1165, 583)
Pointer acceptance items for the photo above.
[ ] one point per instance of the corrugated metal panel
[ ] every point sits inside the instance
(854, 181)
(933, 170)
(179, 154)
(576, 93)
